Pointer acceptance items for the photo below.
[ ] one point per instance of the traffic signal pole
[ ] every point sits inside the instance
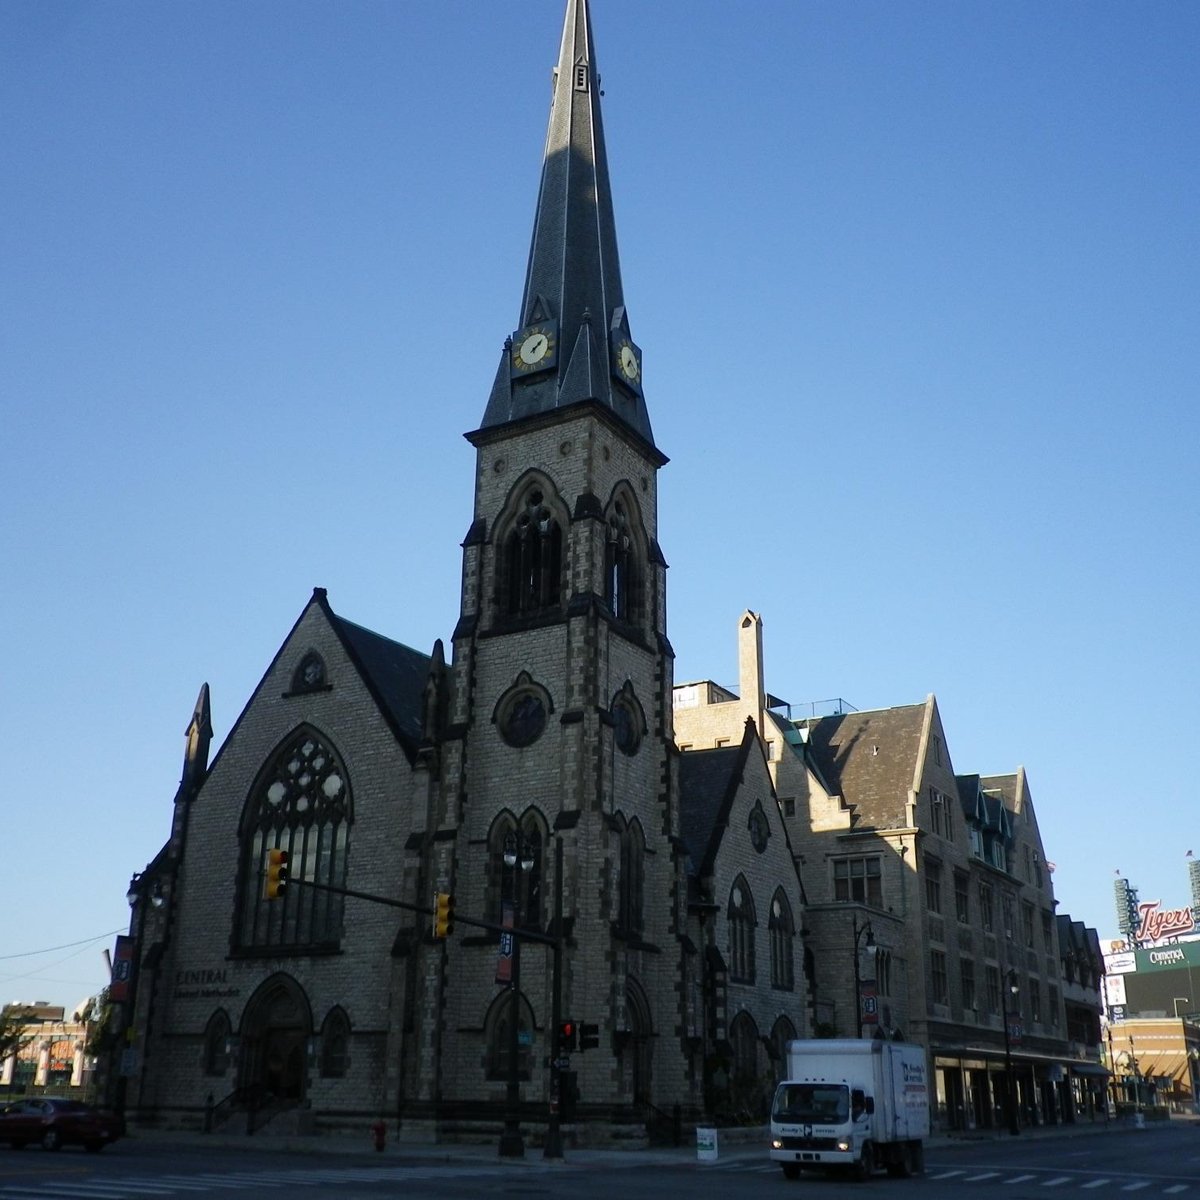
(553, 1147)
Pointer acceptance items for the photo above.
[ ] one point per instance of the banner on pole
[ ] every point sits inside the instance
(122, 970)
(504, 962)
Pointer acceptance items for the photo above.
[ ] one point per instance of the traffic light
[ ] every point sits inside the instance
(277, 873)
(567, 1031)
(589, 1036)
(443, 915)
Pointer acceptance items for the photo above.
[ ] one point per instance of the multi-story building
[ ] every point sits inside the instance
(52, 1052)
(930, 909)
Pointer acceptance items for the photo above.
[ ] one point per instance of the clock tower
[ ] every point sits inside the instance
(559, 735)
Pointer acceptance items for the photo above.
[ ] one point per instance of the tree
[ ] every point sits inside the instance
(15, 1030)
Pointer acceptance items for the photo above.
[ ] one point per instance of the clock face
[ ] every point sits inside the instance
(533, 349)
(627, 362)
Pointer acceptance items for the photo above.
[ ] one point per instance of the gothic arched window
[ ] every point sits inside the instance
(782, 929)
(741, 932)
(531, 576)
(506, 884)
(499, 1038)
(335, 1044)
(632, 888)
(300, 804)
(622, 565)
(216, 1044)
(782, 1033)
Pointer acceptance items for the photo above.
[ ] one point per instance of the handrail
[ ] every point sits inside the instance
(653, 1116)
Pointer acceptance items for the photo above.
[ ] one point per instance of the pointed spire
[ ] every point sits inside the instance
(573, 267)
(199, 738)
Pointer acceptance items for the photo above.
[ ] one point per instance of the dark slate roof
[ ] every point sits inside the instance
(801, 748)
(969, 795)
(574, 276)
(395, 675)
(1000, 799)
(707, 781)
(869, 759)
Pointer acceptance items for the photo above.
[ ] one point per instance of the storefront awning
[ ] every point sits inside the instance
(1020, 1058)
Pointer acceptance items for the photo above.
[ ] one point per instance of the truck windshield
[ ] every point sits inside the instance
(825, 1102)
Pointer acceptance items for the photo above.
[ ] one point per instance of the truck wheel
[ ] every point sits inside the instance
(865, 1167)
(790, 1170)
(918, 1157)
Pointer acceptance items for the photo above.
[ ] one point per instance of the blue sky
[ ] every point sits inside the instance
(916, 290)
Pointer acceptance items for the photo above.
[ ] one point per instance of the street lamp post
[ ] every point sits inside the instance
(1137, 1084)
(1009, 985)
(518, 856)
(859, 932)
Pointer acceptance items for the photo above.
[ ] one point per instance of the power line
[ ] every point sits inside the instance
(65, 946)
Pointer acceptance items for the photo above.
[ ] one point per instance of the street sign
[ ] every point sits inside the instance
(561, 1064)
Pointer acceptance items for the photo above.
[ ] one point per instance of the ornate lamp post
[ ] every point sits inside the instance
(1009, 984)
(860, 931)
(518, 856)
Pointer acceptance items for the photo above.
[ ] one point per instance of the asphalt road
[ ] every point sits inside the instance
(1155, 1162)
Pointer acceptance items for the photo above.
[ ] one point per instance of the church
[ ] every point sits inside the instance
(527, 769)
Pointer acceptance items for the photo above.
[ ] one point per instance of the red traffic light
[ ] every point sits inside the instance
(567, 1032)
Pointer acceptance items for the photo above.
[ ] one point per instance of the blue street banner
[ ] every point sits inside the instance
(504, 962)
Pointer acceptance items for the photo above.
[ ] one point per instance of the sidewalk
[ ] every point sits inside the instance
(737, 1142)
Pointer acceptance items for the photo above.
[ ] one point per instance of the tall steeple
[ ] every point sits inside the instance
(573, 343)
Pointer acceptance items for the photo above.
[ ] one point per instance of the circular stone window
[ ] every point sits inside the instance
(760, 829)
(523, 720)
(626, 731)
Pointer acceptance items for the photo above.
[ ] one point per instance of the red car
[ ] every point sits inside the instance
(54, 1123)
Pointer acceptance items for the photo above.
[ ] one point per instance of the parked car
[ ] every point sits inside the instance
(54, 1123)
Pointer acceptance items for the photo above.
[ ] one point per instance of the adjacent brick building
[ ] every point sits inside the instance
(929, 888)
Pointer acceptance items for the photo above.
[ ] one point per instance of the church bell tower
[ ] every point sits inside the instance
(559, 725)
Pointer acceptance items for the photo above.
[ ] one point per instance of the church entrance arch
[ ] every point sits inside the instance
(276, 1027)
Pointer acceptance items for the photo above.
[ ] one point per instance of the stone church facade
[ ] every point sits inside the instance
(389, 775)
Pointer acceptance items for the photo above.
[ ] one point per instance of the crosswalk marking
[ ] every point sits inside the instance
(1095, 1183)
(1057, 1181)
(946, 1174)
(1178, 1187)
(1136, 1185)
(1020, 1179)
(981, 1177)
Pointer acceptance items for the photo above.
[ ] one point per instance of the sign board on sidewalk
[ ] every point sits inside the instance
(706, 1144)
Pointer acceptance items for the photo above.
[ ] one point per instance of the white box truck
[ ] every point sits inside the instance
(854, 1105)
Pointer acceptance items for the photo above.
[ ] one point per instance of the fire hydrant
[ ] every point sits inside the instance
(379, 1134)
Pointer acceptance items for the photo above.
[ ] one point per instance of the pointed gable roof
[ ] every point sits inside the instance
(871, 759)
(574, 275)
(708, 782)
(395, 675)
